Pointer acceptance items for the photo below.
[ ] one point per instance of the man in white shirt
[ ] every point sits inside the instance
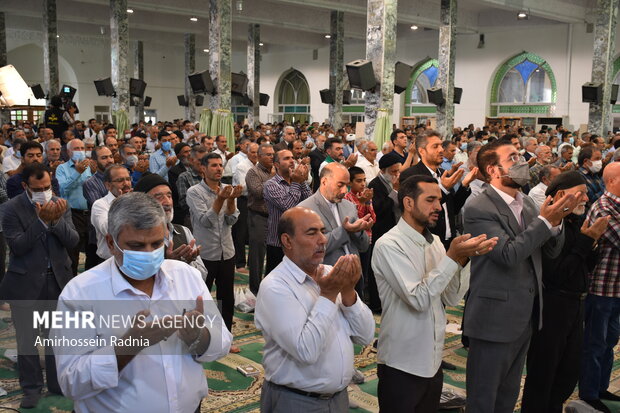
(118, 182)
(545, 176)
(309, 313)
(11, 162)
(222, 150)
(368, 161)
(416, 277)
(159, 367)
(240, 229)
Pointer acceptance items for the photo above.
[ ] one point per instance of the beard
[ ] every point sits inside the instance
(579, 210)
(506, 181)
(169, 215)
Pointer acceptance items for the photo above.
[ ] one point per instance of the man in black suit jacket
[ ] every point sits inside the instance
(38, 231)
(430, 149)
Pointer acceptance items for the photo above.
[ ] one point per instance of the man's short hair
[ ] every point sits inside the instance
(276, 156)
(545, 172)
(196, 149)
(107, 128)
(107, 174)
(411, 188)
(205, 159)
(26, 146)
(446, 144)
(487, 156)
(137, 210)
(586, 153)
(422, 140)
(394, 134)
(354, 171)
(331, 141)
(286, 225)
(262, 147)
(566, 147)
(36, 170)
(291, 144)
(124, 146)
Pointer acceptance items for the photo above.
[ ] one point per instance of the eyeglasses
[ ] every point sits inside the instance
(120, 180)
(516, 158)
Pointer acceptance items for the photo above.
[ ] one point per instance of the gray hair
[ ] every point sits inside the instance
(616, 157)
(545, 172)
(288, 127)
(107, 174)
(566, 147)
(88, 141)
(528, 140)
(137, 210)
(473, 145)
(50, 141)
(70, 143)
(263, 146)
(540, 148)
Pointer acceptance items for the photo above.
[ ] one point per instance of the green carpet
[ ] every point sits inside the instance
(232, 392)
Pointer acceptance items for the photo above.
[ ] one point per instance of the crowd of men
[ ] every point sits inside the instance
(524, 225)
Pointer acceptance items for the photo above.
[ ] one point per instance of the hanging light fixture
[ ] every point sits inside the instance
(239, 6)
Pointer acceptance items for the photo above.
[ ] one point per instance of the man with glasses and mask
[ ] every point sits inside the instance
(38, 230)
(129, 159)
(505, 301)
(30, 152)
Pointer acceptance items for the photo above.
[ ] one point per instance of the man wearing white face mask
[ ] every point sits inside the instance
(590, 164)
(71, 176)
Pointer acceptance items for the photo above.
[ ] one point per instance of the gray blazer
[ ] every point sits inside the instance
(32, 246)
(337, 236)
(504, 282)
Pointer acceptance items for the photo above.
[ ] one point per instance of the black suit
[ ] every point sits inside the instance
(173, 177)
(316, 159)
(453, 201)
(39, 267)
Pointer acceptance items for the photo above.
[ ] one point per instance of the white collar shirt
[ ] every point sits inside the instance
(162, 377)
(538, 194)
(415, 278)
(371, 170)
(233, 162)
(239, 173)
(308, 337)
(99, 219)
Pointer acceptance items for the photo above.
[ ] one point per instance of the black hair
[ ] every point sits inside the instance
(34, 169)
(26, 146)
(410, 188)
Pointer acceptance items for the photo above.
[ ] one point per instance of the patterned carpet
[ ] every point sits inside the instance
(232, 392)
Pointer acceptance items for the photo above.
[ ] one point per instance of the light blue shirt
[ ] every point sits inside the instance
(70, 182)
(157, 163)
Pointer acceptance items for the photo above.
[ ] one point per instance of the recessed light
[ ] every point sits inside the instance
(129, 11)
(205, 50)
(414, 27)
(261, 44)
(194, 18)
(57, 36)
(328, 36)
(522, 15)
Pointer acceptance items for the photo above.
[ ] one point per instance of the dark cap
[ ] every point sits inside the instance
(150, 181)
(388, 160)
(565, 180)
(179, 147)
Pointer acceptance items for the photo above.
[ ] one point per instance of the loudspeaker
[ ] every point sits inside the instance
(549, 121)
(67, 92)
(201, 82)
(402, 73)
(435, 95)
(264, 99)
(361, 75)
(346, 97)
(104, 87)
(327, 96)
(591, 92)
(200, 100)
(147, 101)
(614, 94)
(458, 92)
(38, 92)
(238, 84)
(137, 87)
(182, 101)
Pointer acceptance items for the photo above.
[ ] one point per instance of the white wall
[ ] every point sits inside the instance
(85, 59)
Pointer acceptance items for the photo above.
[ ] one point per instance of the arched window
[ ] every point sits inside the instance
(523, 85)
(423, 77)
(293, 97)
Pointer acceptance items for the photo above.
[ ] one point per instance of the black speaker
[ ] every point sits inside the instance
(201, 82)
(327, 96)
(200, 100)
(104, 87)
(458, 92)
(238, 84)
(361, 75)
(38, 92)
(147, 101)
(402, 73)
(550, 121)
(346, 97)
(591, 92)
(264, 99)
(246, 101)
(182, 101)
(67, 92)
(614, 94)
(137, 87)
(435, 95)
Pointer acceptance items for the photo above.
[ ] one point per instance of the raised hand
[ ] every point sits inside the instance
(332, 284)
(225, 192)
(449, 180)
(464, 246)
(362, 224)
(170, 161)
(142, 166)
(561, 207)
(366, 195)
(597, 228)
(351, 160)
(236, 192)
(191, 325)
(470, 177)
(300, 174)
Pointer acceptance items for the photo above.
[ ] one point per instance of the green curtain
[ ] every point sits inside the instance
(121, 121)
(383, 127)
(205, 121)
(223, 124)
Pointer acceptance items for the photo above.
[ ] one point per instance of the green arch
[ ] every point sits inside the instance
(509, 64)
(420, 67)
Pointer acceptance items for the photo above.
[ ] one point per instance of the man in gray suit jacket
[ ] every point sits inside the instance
(345, 232)
(505, 300)
(38, 231)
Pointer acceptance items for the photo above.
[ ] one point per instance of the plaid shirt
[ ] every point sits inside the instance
(279, 196)
(185, 181)
(362, 210)
(594, 184)
(605, 278)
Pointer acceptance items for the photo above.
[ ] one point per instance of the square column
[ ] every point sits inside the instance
(3, 55)
(119, 45)
(220, 32)
(50, 48)
(336, 67)
(138, 73)
(446, 58)
(190, 67)
(254, 58)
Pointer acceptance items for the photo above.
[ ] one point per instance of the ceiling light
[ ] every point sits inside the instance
(205, 50)
(57, 36)
(194, 18)
(129, 11)
(328, 36)
(523, 15)
(261, 44)
(414, 27)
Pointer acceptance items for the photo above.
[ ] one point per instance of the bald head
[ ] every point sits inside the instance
(611, 177)
(301, 232)
(334, 181)
(75, 145)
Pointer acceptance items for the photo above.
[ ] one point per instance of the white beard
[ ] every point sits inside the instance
(169, 215)
(579, 210)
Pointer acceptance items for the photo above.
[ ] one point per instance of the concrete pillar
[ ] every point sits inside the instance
(599, 119)
(381, 50)
(446, 57)
(50, 48)
(119, 44)
(3, 57)
(220, 32)
(190, 67)
(138, 73)
(254, 73)
(336, 67)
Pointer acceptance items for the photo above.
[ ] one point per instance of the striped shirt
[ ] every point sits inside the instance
(605, 278)
(94, 188)
(279, 196)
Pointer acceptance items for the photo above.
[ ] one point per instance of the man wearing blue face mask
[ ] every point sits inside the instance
(163, 159)
(71, 176)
